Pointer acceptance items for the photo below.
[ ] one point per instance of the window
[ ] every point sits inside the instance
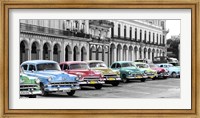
(118, 65)
(153, 38)
(31, 68)
(160, 40)
(66, 67)
(130, 32)
(145, 36)
(136, 34)
(25, 66)
(113, 66)
(119, 28)
(140, 35)
(112, 32)
(125, 32)
(157, 38)
(149, 36)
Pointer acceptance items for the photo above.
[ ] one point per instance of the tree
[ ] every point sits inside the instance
(173, 47)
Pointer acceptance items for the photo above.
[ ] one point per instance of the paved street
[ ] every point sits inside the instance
(160, 88)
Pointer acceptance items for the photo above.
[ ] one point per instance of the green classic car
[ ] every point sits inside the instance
(128, 71)
(146, 69)
(29, 86)
(110, 76)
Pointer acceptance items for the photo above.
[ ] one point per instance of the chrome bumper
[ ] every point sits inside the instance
(38, 92)
(50, 88)
(113, 79)
(91, 82)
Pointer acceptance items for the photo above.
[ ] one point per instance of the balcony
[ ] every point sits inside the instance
(103, 23)
(51, 31)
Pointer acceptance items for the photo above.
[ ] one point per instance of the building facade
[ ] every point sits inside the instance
(107, 40)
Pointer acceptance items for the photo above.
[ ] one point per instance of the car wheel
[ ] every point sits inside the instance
(98, 86)
(44, 93)
(143, 79)
(174, 75)
(115, 84)
(124, 79)
(71, 93)
(32, 96)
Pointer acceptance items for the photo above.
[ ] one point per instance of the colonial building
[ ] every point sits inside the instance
(107, 40)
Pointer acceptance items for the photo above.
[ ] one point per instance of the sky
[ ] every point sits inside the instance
(173, 26)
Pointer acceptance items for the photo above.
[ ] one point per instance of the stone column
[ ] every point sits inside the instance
(114, 55)
(127, 55)
(51, 53)
(29, 53)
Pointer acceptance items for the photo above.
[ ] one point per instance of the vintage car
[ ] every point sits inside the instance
(162, 73)
(110, 76)
(174, 71)
(146, 69)
(52, 79)
(29, 86)
(87, 77)
(128, 71)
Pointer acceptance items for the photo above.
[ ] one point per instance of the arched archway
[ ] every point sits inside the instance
(23, 51)
(119, 48)
(76, 53)
(46, 51)
(145, 52)
(140, 53)
(100, 53)
(35, 50)
(153, 52)
(92, 52)
(113, 53)
(68, 53)
(130, 53)
(135, 52)
(149, 53)
(56, 52)
(83, 54)
(125, 49)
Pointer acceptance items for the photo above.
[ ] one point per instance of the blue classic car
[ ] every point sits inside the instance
(174, 71)
(52, 79)
(128, 71)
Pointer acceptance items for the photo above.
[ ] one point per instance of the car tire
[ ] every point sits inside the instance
(143, 79)
(124, 79)
(115, 84)
(44, 93)
(174, 75)
(32, 96)
(98, 87)
(71, 93)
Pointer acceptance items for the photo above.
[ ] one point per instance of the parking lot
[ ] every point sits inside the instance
(159, 88)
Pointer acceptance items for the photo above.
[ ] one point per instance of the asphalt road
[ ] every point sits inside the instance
(159, 88)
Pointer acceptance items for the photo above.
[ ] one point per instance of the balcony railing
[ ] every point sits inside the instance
(51, 31)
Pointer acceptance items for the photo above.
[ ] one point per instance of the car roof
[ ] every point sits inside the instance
(122, 62)
(72, 62)
(91, 61)
(38, 61)
(139, 63)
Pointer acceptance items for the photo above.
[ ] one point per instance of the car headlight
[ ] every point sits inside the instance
(49, 79)
(79, 76)
(129, 72)
(37, 80)
(76, 78)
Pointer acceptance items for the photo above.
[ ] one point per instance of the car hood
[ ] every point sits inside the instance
(104, 70)
(86, 72)
(158, 69)
(57, 76)
(131, 69)
(24, 79)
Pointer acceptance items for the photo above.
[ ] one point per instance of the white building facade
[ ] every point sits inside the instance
(79, 40)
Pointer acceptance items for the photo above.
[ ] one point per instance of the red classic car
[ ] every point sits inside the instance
(87, 77)
(162, 73)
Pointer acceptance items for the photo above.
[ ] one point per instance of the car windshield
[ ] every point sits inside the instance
(127, 64)
(48, 66)
(97, 64)
(78, 66)
(142, 65)
(153, 65)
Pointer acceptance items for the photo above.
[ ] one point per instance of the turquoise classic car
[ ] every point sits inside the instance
(128, 71)
(29, 86)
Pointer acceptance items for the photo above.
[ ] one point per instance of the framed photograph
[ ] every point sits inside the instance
(99, 59)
